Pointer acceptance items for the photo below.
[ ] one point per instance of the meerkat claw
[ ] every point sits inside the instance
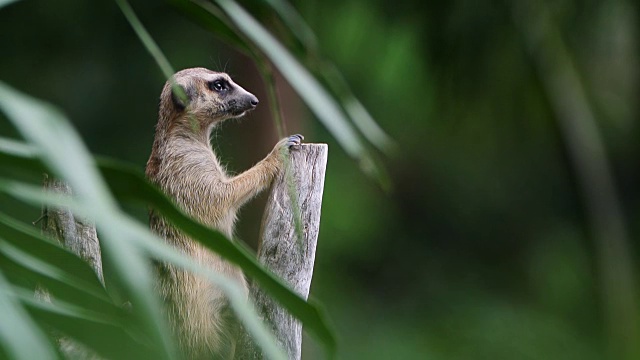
(294, 140)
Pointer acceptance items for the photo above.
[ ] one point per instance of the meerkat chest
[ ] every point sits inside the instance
(196, 182)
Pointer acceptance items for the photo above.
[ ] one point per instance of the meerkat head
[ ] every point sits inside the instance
(211, 97)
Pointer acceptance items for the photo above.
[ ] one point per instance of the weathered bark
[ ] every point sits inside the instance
(79, 236)
(282, 251)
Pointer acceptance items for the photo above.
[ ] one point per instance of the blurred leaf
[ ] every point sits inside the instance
(17, 263)
(93, 331)
(39, 123)
(65, 265)
(20, 337)
(14, 147)
(297, 28)
(152, 48)
(296, 25)
(354, 108)
(318, 100)
(145, 38)
(215, 25)
(64, 275)
(4, 3)
(18, 155)
(64, 153)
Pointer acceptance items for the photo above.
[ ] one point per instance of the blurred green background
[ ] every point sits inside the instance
(486, 247)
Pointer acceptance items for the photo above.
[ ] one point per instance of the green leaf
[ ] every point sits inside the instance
(67, 277)
(146, 39)
(4, 3)
(215, 25)
(19, 157)
(295, 27)
(313, 94)
(20, 336)
(360, 116)
(17, 263)
(29, 255)
(109, 340)
(67, 266)
(17, 148)
(151, 47)
(323, 69)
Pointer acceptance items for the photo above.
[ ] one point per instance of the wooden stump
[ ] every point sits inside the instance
(291, 258)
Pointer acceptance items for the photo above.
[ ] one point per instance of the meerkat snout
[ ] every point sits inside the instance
(243, 103)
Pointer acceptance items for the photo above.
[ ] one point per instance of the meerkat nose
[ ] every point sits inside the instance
(254, 101)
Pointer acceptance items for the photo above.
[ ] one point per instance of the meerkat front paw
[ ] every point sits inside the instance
(294, 140)
(289, 142)
(283, 146)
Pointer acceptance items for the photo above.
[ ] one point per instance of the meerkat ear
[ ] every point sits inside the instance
(179, 100)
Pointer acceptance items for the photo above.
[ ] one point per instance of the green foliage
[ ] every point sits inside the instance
(80, 307)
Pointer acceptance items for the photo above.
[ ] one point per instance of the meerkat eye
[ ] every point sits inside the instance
(218, 85)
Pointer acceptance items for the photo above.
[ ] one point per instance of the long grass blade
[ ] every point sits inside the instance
(314, 95)
(4, 3)
(20, 337)
(93, 330)
(295, 27)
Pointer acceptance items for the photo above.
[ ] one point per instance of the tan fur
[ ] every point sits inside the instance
(185, 167)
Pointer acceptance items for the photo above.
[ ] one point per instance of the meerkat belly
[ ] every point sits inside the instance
(198, 309)
(200, 200)
(216, 263)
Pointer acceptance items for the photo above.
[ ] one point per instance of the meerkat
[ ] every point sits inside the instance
(184, 166)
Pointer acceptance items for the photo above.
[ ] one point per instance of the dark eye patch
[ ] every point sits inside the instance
(219, 85)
